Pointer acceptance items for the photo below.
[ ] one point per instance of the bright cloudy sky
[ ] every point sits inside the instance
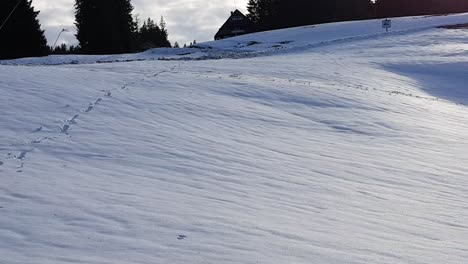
(187, 20)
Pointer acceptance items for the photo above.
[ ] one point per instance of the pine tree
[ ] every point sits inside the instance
(274, 14)
(62, 49)
(21, 35)
(164, 35)
(253, 11)
(176, 45)
(265, 14)
(104, 26)
(395, 8)
(345, 10)
(150, 35)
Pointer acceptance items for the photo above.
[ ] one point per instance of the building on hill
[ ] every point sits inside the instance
(236, 25)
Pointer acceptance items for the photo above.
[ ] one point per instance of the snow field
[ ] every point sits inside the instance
(347, 153)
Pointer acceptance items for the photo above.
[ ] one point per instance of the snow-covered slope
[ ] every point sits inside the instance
(267, 43)
(350, 152)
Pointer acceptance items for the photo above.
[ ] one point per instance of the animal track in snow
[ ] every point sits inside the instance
(90, 107)
(20, 168)
(126, 85)
(64, 129)
(73, 119)
(22, 155)
(66, 125)
(39, 129)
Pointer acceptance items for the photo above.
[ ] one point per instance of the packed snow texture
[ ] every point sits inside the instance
(354, 150)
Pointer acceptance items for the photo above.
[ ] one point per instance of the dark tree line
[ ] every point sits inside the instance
(103, 27)
(21, 34)
(107, 27)
(395, 8)
(64, 49)
(274, 14)
(151, 35)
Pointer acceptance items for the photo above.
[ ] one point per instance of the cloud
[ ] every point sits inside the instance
(186, 20)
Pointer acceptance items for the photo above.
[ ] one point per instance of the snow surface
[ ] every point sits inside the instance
(344, 146)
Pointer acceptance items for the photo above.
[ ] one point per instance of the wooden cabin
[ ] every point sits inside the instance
(236, 25)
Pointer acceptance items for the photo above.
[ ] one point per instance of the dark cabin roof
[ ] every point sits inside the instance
(237, 24)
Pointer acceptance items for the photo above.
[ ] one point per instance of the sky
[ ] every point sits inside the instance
(186, 20)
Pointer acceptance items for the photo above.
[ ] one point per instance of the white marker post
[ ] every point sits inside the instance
(387, 23)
